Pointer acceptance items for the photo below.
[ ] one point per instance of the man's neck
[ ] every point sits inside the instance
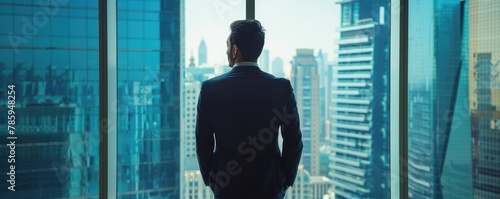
(245, 63)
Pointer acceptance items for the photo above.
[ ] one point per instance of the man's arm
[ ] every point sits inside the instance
(204, 138)
(292, 139)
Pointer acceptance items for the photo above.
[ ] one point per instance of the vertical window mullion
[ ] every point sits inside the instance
(250, 9)
(107, 94)
(399, 99)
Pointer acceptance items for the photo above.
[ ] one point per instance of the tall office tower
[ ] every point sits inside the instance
(305, 82)
(149, 90)
(323, 75)
(277, 67)
(456, 178)
(319, 186)
(56, 99)
(434, 47)
(301, 188)
(195, 187)
(264, 61)
(359, 118)
(188, 144)
(484, 59)
(53, 62)
(202, 53)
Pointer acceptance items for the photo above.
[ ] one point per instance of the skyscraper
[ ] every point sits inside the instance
(277, 67)
(56, 71)
(202, 53)
(484, 80)
(359, 128)
(264, 61)
(434, 47)
(301, 188)
(305, 81)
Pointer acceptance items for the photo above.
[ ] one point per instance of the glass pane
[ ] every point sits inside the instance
(49, 108)
(149, 75)
(454, 99)
(207, 29)
(337, 58)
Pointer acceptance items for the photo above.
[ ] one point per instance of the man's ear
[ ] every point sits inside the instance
(234, 51)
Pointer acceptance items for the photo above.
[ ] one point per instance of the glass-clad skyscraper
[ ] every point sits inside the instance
(50, 51)
(434, 47)
(359, 112)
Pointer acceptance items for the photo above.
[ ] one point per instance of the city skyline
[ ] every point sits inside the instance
(216, 16)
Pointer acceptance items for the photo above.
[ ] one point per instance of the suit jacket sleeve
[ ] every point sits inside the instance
(292, 138)
(204, 137)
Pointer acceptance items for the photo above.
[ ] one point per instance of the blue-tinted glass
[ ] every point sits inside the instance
(61, 12)
(93, 59)
(8, 63)
(78, 13)
(78, 59)
(92, 27)
(122, 28)
(142, 112)
(151, 44)
(24, 11)
(135, 60)
(93, 75)
(60, 58)
(136, 5)
(93, 43)
(78, 42)
(77, 27)
(60, 26)
(6, 9)
(6, 21)
(151, 30)
(152, 5)
(152, 16)
(136, 29)
(122, 43)
(77, 3)
(92, 13)
(60, 42)
(50, 116)
(136, 44)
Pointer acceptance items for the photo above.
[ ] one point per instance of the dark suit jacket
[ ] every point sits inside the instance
(242, 111)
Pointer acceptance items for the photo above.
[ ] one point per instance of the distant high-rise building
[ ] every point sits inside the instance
(188, 144)
(434, 47)
(484, 80)
(277, 67)
(202, 53)
(305, 81)
(301, 188)
(323, 81)
(264, 61)
(319, 186)
(359, 112)
(194, 187)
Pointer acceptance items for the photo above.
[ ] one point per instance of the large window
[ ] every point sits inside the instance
(49, 83)
(453, 99)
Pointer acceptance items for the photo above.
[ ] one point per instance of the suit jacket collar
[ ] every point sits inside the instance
(245, 69)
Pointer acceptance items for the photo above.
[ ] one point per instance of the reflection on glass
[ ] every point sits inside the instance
(453, 99)
(148, 98)
(56, 102)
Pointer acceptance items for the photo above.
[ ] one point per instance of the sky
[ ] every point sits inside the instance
(289, 25)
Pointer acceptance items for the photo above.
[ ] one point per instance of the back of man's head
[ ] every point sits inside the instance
(248, 36)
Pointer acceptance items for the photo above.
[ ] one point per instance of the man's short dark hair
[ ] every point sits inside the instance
(249, 36)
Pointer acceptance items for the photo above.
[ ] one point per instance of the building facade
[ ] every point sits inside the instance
(359, 106)
(484, 80)
(55, 68)
(305, 81)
